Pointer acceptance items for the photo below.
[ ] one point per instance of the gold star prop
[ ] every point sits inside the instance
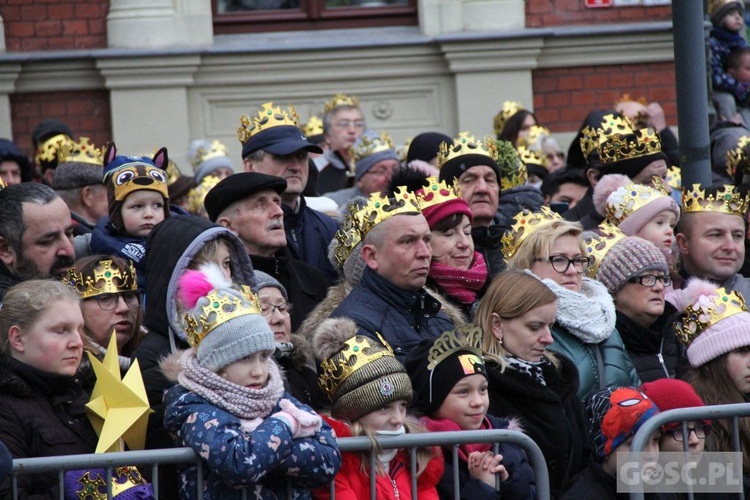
(118, 409)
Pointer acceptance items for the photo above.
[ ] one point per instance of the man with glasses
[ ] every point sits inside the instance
(375, 160)
(343, 123)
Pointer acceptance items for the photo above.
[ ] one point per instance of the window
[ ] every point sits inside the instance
(242, 16)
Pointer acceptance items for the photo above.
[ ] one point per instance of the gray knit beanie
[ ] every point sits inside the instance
(207, 157)
(265, 280)
(369, 150)
(628, 258)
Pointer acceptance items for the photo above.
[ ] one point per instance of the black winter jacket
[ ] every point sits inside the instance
(308, 234)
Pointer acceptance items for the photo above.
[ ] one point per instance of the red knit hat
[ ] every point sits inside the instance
(670, 394)
(440, 200)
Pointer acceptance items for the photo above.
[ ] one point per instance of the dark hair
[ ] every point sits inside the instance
(513, 125)
(12, 199)
(551, 184)
(734, 58)
(448, 223)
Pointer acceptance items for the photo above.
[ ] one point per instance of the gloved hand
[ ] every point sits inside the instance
(301, 423)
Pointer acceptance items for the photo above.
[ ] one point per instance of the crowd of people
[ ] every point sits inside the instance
(340, 286)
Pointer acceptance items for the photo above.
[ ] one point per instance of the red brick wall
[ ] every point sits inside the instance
(545, 13)
(54, 24)
(86, 112)
(564, 96)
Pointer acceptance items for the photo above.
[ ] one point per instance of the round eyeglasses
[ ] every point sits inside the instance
(108, 301)
(561, 264)
(649, 280)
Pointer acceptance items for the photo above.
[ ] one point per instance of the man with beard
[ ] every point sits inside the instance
(249, 205)
(35, 234)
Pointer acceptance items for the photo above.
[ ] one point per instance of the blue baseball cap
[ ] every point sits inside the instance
(281, 140)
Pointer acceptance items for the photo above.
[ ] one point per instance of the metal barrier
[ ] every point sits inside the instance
(153, 458)
(717, 412)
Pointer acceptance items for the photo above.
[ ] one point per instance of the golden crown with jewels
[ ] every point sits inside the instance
(95, 488)
(380, 208)
(369, 145)
(623, 202)
(466, 144)
(525, 223)
(674, 177)
(70, 151)
(314, 126)
(437, 192)
(537, 133)
(509, 109)
(215, 150)
(47, 151)
(707, 311)
(737, 158)
(349, 236)
(219, 306)
(617, 139)
(103, 278)
(357, 352)
(727, 200)
(268, 116)
(463, 338)
(340, 100)
(598, 245)
(529, 157)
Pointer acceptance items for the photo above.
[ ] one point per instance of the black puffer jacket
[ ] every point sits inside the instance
(41, 415)
(488, 242)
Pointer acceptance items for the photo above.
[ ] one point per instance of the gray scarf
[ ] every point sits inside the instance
(589, 314)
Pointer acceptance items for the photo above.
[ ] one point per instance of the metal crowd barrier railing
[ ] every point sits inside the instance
(684, 415)
(153, 458)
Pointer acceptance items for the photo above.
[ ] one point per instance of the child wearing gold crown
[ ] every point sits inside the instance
(370, 390)
(230, 405)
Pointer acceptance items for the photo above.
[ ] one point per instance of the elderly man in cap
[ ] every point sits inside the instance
(78, 181)
(249, 205)
(273, 144)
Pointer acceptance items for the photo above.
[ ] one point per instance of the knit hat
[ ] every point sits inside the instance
(628, 258)
(264, 280)
(426, 146)
(370, 149)
(613, 415)
(440, 200)
(714, 322)
(464, 152)
(223, 324)
(207, 157)
(717, 9)
(436, 366)
(125, 174)
(670, 394)
(359, 374)
(630, 206)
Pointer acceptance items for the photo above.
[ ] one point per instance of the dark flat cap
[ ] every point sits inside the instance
(238, 187)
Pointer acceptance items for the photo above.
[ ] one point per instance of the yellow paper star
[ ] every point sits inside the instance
(118, 409)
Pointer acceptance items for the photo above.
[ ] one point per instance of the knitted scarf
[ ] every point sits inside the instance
(460, 285)
(589, 314)
(237, 400)
(445, 425)
(531, 368)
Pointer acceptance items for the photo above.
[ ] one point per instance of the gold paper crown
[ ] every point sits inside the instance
(466, 144)
(463, 338)
(354, 355)
(69, 151)
(268, 117)
(727, 200)
(525, 223)
(509, 109)
(536, 134)
(314, 126)
(598, 245)
(699, 317)
(674, 177)
(96, 488)
(216, 150)
(197, 195)
(340, 100)
(173, 173)
(47, 151)
(349, 235)
(220, 307)
(618, 140)
(737, 157)
(623, 202)
(529, 157)
(380, 208)
(437, 192)
(369, 145)
(104, 278)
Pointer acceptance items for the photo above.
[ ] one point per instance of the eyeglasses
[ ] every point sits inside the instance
(701, 432)
(267, 310)
(379, 173)
(348, 123)
(109, 301)
(560, 263)
(651, 279)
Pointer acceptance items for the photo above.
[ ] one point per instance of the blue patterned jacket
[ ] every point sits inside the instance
(264, 460)
(721, 43)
